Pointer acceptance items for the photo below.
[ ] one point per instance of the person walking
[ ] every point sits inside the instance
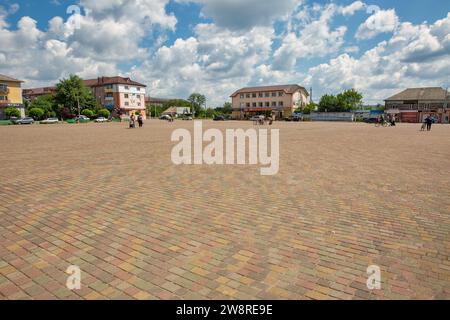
(141, 121)
(132, 121)
(429, 122)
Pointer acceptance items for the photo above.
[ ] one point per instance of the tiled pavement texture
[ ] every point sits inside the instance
(109, 200)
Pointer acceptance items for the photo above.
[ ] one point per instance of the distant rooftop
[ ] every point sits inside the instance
(430, 93)
(6, 78)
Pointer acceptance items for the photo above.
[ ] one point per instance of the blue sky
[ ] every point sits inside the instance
(176, 47)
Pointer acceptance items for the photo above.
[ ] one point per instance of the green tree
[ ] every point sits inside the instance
(349, 100)
(46, 103)
(197, 100)
(12, 112)
(226, 109)
(71, 92)
(328, 103)
(311, 107)
(87, 113)
(103, 113)
(36, 113)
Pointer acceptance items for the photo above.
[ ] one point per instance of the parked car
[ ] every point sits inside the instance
(257, 118)
(101, 120)
(297, 117)
(82, 119)
(165, 117)
(50, 121)
(26, 120)
(220, 118)
(187, 118)
(14, 120)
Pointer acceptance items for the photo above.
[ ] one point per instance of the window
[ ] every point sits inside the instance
(254, 95)
(280, 103)
(267, 94)
(274, 94)
(281, 93)
(127, 88)
(248, 105)
(138, 96)
(126, 96)
(139, 104)
(261, 104)
(3, 87)
(2, 98)
(127, 104)
(248, 95)
(109, 86)
(242, 96)
(261, 95)
(274, 103)
(242, 104)
(254, 104)
(138, 88)
(267, 104)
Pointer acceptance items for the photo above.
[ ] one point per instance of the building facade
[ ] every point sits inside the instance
(414, 105)
(10, 95)
(276, 101)
(122, 96)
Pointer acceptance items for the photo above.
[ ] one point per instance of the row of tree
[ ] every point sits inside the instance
(72, 97)
(346, 101)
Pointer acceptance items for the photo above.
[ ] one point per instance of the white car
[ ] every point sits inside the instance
(257, 118)
(50, 121)
(101, 120)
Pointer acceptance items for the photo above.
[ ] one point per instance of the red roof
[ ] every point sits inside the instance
(101, 81)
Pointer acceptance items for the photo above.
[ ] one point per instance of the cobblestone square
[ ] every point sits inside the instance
(109, 200)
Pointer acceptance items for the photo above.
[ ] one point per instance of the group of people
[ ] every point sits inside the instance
(263, 121)
(427, 123)
(390, 120)
(140, 121)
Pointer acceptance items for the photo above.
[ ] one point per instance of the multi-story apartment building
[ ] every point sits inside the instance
(416, 104)
(122, 96)
(277, 101)
(10, 95)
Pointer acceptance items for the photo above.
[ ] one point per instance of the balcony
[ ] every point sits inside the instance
(109, 90)
(4, 90)
(4, 102)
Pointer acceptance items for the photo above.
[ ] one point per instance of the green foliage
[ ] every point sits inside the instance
(36, 113)
(346, 101)
(12, 112)
(70, 92)
(103, 113)
(350, 100)
(45, 103)
(87, 113)
(197, 100)
(311, 107)
(226, 109)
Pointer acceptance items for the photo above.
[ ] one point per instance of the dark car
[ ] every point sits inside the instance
(26, 120)
(220, 118)
(370, 120)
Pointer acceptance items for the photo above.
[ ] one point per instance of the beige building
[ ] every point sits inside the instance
(10, 95)
(277, 101)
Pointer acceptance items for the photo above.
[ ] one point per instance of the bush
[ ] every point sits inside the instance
(87, 113)
(12, 112)
(36, 113)
(103, 113)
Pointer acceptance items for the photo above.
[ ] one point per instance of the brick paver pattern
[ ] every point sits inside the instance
(109, 200)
